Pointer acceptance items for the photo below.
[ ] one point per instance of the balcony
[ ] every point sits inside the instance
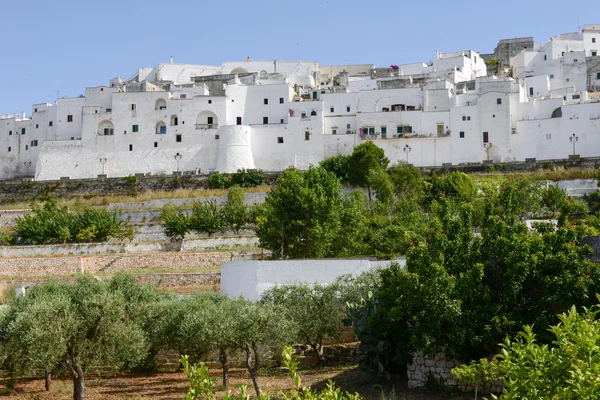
(207, 126)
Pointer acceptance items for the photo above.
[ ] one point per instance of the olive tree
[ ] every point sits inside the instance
(316, 310)
(235, 213)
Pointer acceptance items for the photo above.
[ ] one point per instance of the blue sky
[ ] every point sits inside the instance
(66, 45)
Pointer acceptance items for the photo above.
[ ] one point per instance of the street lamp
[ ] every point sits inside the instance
(574, 140)
(27, 164)
(103, 161)
(407, 150)
(178, 158)
(487, 146)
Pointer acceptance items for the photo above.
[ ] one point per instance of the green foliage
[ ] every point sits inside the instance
(407, 181)
(175, 222)
(86, 324)
(248, 177)
(235, 213)
(493, 61)
(219, 180)
(206, 217)
(316, 311)
(301, 214)
(51, 223)
(338, 165)
(567, 368)
(365, 157)
(456, 185)
(553, 198)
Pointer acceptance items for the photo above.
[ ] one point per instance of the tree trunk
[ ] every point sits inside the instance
(225, 366)
(48, 382)
(319, 350)
(251, 370)
(78, 383)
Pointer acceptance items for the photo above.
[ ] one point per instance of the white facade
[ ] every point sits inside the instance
(274, 114)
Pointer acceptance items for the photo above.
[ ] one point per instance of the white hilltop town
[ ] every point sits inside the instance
(523, 101)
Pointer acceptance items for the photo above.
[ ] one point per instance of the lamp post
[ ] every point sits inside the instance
(574, 140)
(27, 165)
(103, 161)
(178, 158)
(407, 150)
(487, 146)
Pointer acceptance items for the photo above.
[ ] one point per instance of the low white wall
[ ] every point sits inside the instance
(251, 278)
(219, 242)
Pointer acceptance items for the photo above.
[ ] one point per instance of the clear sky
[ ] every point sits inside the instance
(65, 46)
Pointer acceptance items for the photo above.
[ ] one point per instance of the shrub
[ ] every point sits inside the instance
(235, 213)
(218, 180)
(248, 177)
(175, 222)
(206, 217)
(339, 165)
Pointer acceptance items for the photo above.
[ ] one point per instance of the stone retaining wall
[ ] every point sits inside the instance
(57, 266)
(219, 242)
(439, 369)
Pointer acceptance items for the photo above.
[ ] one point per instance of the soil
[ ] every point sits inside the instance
(173, 385)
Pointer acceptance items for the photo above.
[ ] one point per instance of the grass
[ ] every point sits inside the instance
(7, 292)
(553, 174)
(77, 202)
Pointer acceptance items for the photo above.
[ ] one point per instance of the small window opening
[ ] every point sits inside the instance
(279, 139)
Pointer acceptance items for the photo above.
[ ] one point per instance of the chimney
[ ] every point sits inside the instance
(171, 59)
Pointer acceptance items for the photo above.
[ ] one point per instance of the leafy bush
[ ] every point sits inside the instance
(235, 213)
(51, 223)
(248, 177)
(175, 222)
(339, 165)
(218, 180)
(206, 218)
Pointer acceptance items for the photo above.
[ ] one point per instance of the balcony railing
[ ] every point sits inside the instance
(207, 126)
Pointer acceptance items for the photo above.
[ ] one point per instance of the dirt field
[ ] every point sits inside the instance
(173, 385)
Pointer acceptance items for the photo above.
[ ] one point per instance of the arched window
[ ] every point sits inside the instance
(207, 120)
(106, 128)
(313, 113)
(174, 120)
(161, 104)
(161, 128)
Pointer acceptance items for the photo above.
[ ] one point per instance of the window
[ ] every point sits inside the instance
(575, 60)
(109, 131)
(135, 128)
(531, 91)
(551, 76)
(548, 136)
(347, 108)
(155, 144)
(498, 101)
(332, 109)
(108, 110)
(9, 148)
(209, 101)
(514, 48)
(266, 101)
(493, 115)
(183, 96)
(69, 118)
(133, 108)
(307, 135)
(22, 131)
(461, 135)
(384, 132)
(568, 79)
(513, 131)
(303, 115)
(597, 75)
(313, 113)
(9, 133)
(34, 143)
(209, 120)
(265, 120)
(178, 138)
(130, 147)
(280, 139)
(281, 100)
(238, 121)
(50, 123)
(594, 53)
(334, 131)
(162, 129)
(576, 97)
(398, 129)
(174, 121)
(486, 137)
(281, 121)
(37, 126)
(545, 57)
(593, 40)
(35, 110)
(468, 118)
(563, 53)
(216, 137)
(26, 147)
(348, 126)
(464, 117)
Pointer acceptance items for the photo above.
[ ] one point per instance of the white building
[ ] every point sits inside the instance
(273, 114)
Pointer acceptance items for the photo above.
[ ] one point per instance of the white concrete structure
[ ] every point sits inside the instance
(250, 279)
(274, 114)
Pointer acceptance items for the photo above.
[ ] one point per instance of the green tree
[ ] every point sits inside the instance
(365, 157)
(248, 177)
(301, 214)
(219, 180)
(339, 165)
(407, 180)
(175, 222)
(316, 310)
(235, 213)
(206, 217)
(553, 197)
(91, 327)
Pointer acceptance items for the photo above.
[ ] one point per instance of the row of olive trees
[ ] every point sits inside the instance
(121, 324)
(206, 217)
